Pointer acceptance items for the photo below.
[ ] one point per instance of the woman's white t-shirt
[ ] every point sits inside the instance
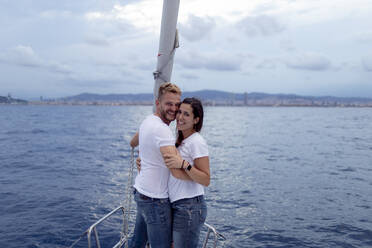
(191, 148)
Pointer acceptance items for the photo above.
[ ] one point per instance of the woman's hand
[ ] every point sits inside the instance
(173, 161)
(138, 163)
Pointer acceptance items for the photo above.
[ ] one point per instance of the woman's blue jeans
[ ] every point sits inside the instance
(153, 222)
(188, 218)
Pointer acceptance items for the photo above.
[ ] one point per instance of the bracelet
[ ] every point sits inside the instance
(183, 161)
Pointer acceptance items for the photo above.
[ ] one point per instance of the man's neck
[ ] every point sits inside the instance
(164, 120)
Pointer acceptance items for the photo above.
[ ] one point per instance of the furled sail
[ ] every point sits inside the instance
(167, 44)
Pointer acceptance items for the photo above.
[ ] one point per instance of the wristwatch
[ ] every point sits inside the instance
(189, 167)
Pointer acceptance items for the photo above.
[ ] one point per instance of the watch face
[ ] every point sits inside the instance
(189, 167)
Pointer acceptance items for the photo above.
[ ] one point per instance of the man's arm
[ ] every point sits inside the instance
(134, 141)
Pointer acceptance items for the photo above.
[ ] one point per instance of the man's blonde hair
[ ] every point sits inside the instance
(168, 87)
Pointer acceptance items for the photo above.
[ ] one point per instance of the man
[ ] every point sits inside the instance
(156, 140)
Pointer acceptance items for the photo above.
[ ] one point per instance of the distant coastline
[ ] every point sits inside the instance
(209, 98)
(9, 100)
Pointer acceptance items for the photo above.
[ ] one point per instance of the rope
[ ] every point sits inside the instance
(127, 203)
(78, 239)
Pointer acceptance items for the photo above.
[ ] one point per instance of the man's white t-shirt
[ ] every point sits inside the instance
(152, 180)
(191, 148)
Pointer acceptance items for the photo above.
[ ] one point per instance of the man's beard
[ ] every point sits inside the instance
(164, 114)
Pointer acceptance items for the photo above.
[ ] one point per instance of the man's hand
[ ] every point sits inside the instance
(134, 141)
(138, 163)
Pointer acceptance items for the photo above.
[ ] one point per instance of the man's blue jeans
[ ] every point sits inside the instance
(153, 222)
(188, 218)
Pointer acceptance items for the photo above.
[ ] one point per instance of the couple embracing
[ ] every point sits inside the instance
(169, 188)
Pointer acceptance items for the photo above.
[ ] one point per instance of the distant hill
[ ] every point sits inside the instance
(145, 97)
(87, 97)
(9, 100)
(214, 97)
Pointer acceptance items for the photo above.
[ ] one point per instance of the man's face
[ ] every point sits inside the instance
(168, 106)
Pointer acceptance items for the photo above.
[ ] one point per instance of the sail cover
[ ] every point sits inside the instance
(167, 44)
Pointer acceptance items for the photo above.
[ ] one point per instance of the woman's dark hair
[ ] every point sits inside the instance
(197, 110)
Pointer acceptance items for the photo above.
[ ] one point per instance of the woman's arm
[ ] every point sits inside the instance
(180, 174)
(198, 173)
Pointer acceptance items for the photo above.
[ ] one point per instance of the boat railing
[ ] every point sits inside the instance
(217, 236)
(93, 229)
(124, 236)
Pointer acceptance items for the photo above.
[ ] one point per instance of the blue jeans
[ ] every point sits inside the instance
(153, 222)
(188, 218)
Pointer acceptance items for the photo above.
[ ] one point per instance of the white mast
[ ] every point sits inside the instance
(167, 44)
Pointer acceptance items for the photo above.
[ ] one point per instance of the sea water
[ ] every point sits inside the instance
(280, 177)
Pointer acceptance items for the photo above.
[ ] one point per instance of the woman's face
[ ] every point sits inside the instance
(185, 118)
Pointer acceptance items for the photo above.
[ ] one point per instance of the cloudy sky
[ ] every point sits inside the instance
(309, 47)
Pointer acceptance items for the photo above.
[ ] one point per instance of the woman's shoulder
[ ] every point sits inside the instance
(199, 137)
(197, 146)
(196, 139)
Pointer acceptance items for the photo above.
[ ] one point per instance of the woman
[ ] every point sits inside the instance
(189, 174)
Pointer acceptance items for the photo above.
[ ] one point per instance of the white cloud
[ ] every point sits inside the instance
(111, 42)
(219, 61)
(143, 15)
(146, 65)
(267, 64)
(120, 23)
(367, 63)
(304, 12)
(22, 56)
(196, 28)
(260, 25)
(52, 14)
(97, 39)
(287, 45)
(226, 11)
(146, 14)
(309, 61)
(365, 37)
(189, 76)
(58, 67)
(95, 15)
(101, 77)
(26, 57)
